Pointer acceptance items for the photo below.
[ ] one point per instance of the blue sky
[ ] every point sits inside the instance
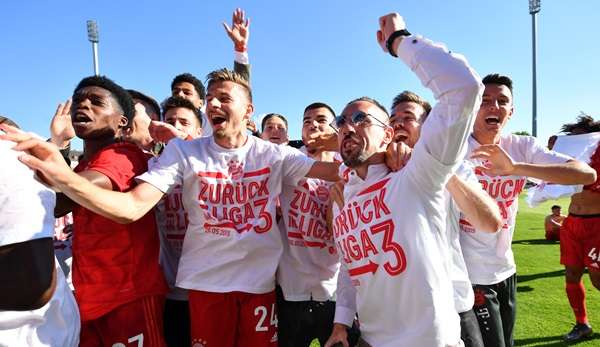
(301, 52)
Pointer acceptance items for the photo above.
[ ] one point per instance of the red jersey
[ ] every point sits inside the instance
(595, 164)
(114, 263)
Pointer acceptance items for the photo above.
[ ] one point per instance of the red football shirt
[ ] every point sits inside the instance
(114, 263)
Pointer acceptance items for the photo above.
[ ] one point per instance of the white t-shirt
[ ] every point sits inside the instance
(390, 232)
(309, 265)
(171, 222)
(232, 242)
(463, 291)
(489, 256)
(27, 213)
(27, 206)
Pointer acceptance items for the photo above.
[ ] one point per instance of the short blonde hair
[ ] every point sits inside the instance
(224, 75)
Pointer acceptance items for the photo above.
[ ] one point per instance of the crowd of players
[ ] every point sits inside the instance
(192, 228)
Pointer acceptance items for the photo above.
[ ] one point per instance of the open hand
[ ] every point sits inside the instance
(239, 32)
(61, 128)
(496, 161)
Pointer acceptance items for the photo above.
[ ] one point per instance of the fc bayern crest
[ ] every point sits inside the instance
(235, 169)
(322, 192)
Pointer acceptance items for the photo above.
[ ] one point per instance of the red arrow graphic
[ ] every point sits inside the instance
(360, 270)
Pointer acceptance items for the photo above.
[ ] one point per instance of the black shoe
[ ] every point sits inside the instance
(580, 331)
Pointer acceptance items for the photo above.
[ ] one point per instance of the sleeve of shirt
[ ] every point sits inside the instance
(466, 171)
(540, 154)
(120, 164)
(241, 64)
(457, 89)
(345, 302)
(295, 165)
(26, 206)
(166, 171)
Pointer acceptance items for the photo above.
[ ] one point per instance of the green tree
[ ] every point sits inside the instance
(523, 133)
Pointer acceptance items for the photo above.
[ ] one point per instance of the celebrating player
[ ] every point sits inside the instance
(389, 232)
(489, 257)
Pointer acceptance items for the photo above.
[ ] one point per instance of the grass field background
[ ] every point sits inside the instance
(543, 311)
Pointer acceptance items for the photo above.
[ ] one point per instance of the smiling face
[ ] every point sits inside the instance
(406, 119)
(185, 120)
(315, 123)
(95, 114)
(357, 143)
(228, 109)
(275, 131)
(495, 111)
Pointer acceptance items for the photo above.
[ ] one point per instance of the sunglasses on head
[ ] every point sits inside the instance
(358, 118)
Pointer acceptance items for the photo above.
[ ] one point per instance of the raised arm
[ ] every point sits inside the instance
(239, 33)
(456, 87)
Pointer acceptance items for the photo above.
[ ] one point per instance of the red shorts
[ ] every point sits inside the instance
(580, 241)
(134, 324)
(233, 319)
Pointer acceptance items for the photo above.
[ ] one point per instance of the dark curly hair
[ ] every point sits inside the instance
(119, 93)
(189, 78)
(585, 124)
(495, 78)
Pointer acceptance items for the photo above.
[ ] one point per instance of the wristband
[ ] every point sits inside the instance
(390, 41)
(240, 48)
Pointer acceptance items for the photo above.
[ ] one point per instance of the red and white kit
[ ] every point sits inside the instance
(488, 256)
(390, 232)
(232, 242)
(118, 283)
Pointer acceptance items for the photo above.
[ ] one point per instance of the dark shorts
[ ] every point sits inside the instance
(495, 308)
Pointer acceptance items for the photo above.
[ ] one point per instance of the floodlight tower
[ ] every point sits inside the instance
(92, 30)
(534, 8)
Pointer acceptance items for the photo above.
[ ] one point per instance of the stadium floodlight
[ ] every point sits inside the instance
(92, 30)
(534, 8)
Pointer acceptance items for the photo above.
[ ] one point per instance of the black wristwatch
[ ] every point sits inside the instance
(392, 38)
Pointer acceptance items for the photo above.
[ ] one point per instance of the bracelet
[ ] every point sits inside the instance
(240, 48)
(392, 38)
